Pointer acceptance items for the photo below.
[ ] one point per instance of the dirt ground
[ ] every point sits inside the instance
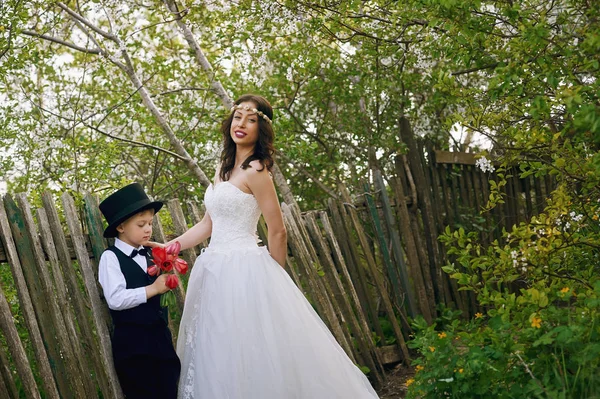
(395, 385)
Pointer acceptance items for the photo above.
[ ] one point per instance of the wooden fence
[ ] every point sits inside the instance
(367, 263)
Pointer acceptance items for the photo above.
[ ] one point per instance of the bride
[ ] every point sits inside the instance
(247, 332)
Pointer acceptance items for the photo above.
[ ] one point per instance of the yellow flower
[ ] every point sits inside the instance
(409, 381)
(478, 315)
(595, 217)
(442, 335)
(420, 368)
(536, 322)
(460, 370)
(432, 348)
(565, 290)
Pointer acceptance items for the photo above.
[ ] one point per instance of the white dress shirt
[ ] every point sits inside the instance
(112, 280)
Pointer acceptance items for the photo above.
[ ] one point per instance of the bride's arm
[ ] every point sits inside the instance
(263, 189)
(194, 236)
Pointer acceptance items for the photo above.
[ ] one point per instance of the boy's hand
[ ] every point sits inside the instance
(157, 287)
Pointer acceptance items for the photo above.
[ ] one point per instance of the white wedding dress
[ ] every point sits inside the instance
(247, 332)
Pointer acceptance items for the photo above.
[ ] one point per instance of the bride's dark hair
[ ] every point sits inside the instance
(263, 150)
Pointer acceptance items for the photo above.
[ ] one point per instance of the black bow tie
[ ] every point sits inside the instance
(136, 252)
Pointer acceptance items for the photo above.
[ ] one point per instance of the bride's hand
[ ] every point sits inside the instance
(153, 244)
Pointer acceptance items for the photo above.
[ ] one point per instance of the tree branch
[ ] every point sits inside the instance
(164, 93)
(310, 176)
(62, 42)
(470, 70)
(136, 143)
(87, 23)
(216, 85)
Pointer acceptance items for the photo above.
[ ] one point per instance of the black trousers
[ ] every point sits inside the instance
(148, 377)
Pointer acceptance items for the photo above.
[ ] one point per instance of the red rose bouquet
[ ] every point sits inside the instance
(166, 260)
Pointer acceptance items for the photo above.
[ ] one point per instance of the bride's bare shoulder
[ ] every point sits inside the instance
(257, 173)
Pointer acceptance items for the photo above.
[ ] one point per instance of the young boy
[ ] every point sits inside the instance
(144, 357)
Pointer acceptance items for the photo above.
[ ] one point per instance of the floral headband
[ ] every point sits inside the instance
(256, 111)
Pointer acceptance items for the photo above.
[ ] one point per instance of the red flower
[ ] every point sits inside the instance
(162, 259)
(174, 248)
(153, 270)
(181, 266)
(172, 281)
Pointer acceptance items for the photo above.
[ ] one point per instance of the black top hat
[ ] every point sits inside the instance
(123, 204)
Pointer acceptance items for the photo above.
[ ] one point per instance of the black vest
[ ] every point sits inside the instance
(149, 313)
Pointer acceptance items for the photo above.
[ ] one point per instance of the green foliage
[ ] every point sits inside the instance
(538, 334)
(536, 348)
(526, 76)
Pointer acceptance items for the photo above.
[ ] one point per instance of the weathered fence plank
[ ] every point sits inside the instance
(180, 225)
(15, 346)
(358, 277)
(396, 244)
(328, 271)
(322, 284)
(196, 216)
(9, 388)
(25, 300)
(392, 272)
(430, 231)
(89, 390)
(364, 354)
(72, 375)
(303, 258)
(97, 308)
(372, 267)
(94, 224)
(350, 288)
(417, 263)
(76, 297)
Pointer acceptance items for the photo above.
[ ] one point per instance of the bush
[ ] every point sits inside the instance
(538, 334)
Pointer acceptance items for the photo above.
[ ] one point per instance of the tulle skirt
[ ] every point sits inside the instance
(247, 332)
